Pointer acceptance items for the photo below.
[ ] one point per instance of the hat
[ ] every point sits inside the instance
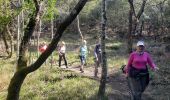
(140, 43)
(63, 42)
(84, 42)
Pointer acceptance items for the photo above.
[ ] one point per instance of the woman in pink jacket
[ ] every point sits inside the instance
(137, 71)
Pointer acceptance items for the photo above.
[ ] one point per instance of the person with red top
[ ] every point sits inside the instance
(43, 47)
(137, 71)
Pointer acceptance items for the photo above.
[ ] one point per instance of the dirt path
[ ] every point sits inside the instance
(116, 80)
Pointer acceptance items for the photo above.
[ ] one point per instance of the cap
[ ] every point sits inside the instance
(84, 42)
(63, 42)
(140, 43)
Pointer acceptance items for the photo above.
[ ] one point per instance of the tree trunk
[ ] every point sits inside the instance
(21, 74)
(15, 85)
(18, 36)
(133, 23)
(78, 26)
(11, 41)
(4, 37)
(129, 35)
(22, 60)
(52, 33)
(38, 38)
(101, 92)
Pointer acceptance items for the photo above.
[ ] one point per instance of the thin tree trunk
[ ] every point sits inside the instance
(4, 37)
(38, 38)
(133, 23)
(20, 75)
(101, 92)
(18, 34)
(11, 41)
(78, 26)
(140, 32)
(52, 32)
(129, 35)
(18, 37)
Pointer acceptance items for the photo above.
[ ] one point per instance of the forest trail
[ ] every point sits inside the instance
(116, 80)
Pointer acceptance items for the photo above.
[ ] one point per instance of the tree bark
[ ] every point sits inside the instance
(129, 35)
(7, 39)
(11, 41)
(22, 60)
(101, 92)
(4, 37)
(78, 26)
(15, 85)
(133, 22)
(21, 74)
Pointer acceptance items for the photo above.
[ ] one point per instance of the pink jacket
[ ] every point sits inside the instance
(140, 61)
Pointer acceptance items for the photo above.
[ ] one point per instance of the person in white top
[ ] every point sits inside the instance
(61, 51)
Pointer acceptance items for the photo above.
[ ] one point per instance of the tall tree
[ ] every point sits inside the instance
(23, 69)
(133, 22)
(101, 92)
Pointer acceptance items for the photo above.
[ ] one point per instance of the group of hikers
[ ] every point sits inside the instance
(136, 70)
(83, 52)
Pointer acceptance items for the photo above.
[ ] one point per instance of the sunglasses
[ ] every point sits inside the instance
(140, 46)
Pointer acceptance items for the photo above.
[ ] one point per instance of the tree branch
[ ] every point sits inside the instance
(52, 46)
(141, 9)
(132, 7)
(22, 61)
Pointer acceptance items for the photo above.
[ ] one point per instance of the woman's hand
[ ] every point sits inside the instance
(156, 69)
(126, 75)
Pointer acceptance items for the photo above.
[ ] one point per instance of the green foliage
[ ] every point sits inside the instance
(50, 11)
(5, 12)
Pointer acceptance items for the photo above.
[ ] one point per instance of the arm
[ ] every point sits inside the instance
(59, 47)
(130, 60)
(150, 62)
(95, 53)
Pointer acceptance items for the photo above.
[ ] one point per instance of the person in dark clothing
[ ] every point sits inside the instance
(97, 55)
(61, 51)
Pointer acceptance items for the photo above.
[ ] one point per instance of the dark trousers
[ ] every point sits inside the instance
(97, 64)
(83, 60)
(62, 56)
(137, 86)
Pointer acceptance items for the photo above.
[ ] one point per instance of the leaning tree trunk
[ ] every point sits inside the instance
(101, 92)
(20, 75)
(15, 85)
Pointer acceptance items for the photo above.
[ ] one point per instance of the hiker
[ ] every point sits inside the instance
(83, 54)
(97, 55)
(43, 47)
(137, 71)
(61, 51)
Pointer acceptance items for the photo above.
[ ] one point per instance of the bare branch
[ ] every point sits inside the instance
(141, 9)
(132, 7)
